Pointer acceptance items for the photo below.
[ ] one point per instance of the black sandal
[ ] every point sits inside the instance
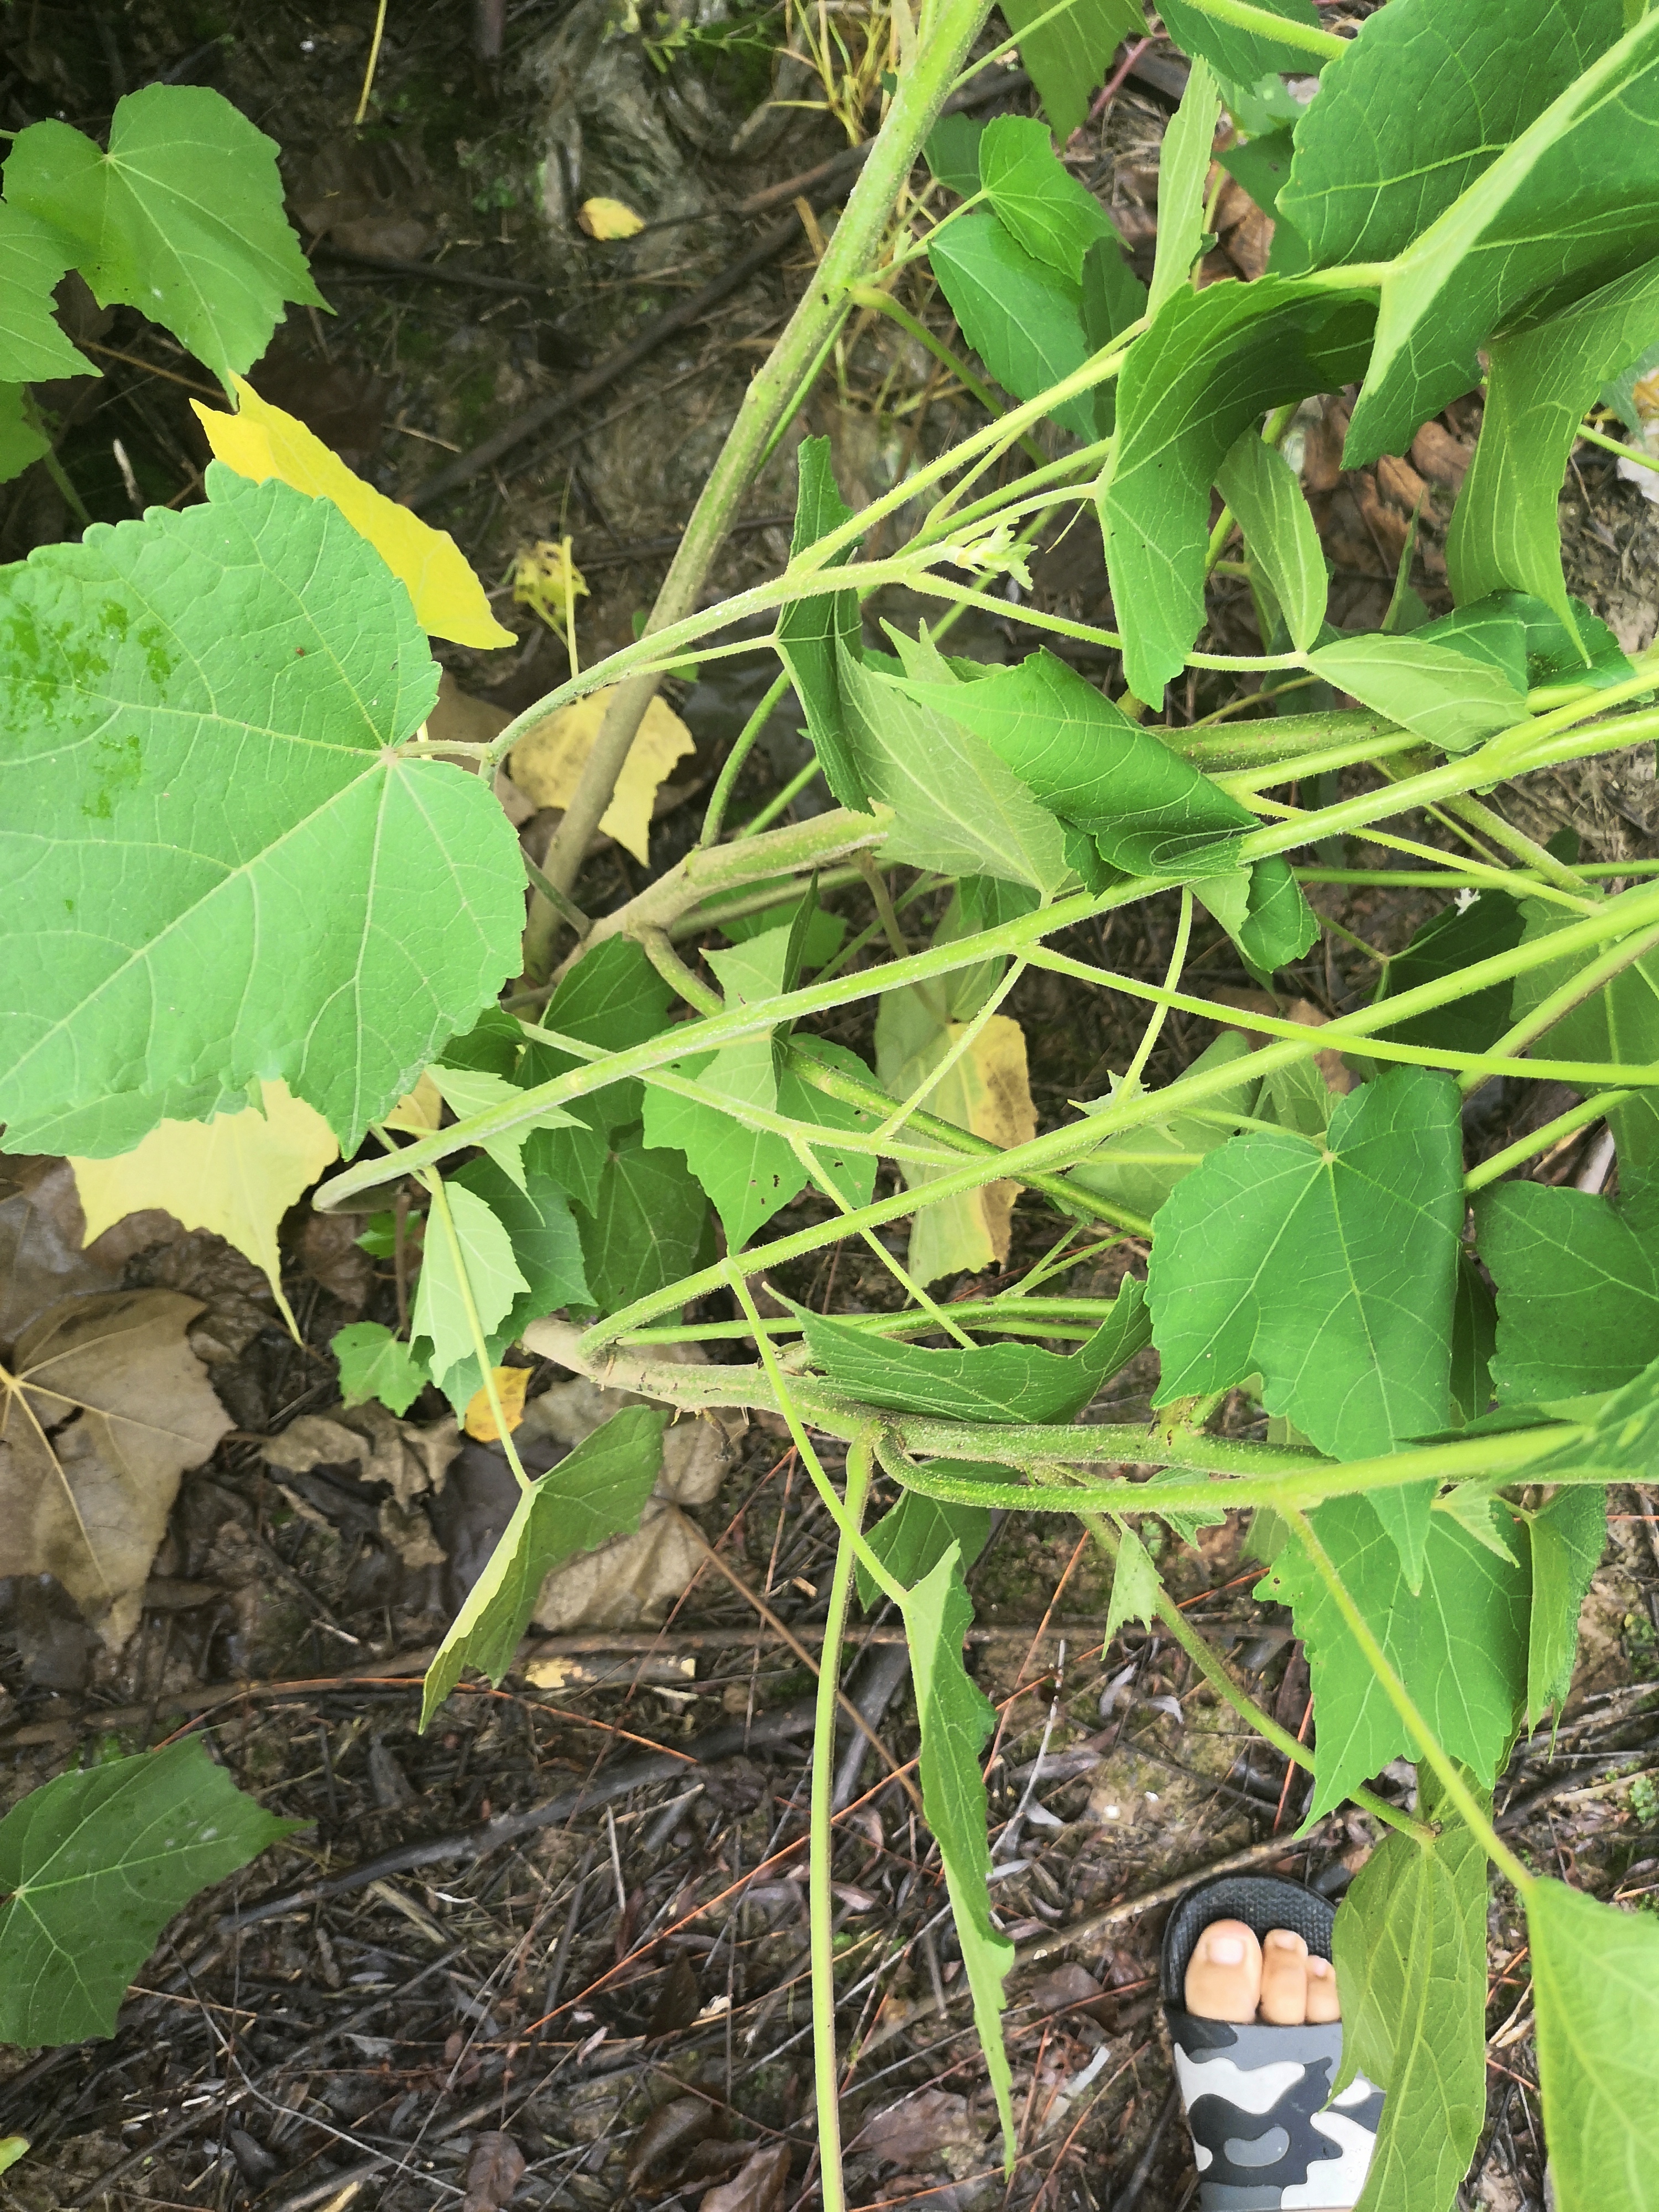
(1256, 2097)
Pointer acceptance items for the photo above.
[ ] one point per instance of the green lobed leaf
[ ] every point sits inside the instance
(1622, 1438)
(21, 438)
(1008, 1382)
(93, 1865)
(646, 1227)
(1067, 55)
(912, 1539)
(1595, 1986)
(1540, 381)
(215, 865)
(1149, 811)
(1036, 198)
(1459, 1644)
(374, 1364)
(1578, 1279)
(956, 808)
(1327, 1267)
(482, 1249)
(952, 153)
(596, 1491)
(546, 1251)
(1265, 494)
(1183, 171)
(813, 633)
(33, 259)
(1565, 208)
(1243, 56)
(1024, 319)
(1488, 923)
(1434, 680)
(1569, 1535)
(1140, 1169)
(956, 1717)
(1410, 1949)
(1425, 98)
(1207, 370)
(183, 218)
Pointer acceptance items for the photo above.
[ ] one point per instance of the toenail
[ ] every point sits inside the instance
(1319, 1968)
(1225, 1951)
(1282, 1939)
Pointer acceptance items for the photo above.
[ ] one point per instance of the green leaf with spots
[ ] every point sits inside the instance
(374, 1364)
(1208, 369)
(988, 1382)
(1036, 198)
(1595, 1988)
(812, 633)
(1566, 208)
(596, 1491)
(1328, 1267)
(93, 1865)
(955, 1718)
(471, 1254)
(1068, 53)
(1458, 1642)
(1540, 382)
(915, 1535)
(1022, 319)
(1265, 494)
(1569, 1535)
(217, 868)
(1410, 1949)
(182, 218)
(1426, 97)
(646, 1228)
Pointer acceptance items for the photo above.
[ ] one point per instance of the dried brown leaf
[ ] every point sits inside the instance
(918, 2127)
(757, 2185)
(493, 2172)
(104, 1407)
(672, 2127)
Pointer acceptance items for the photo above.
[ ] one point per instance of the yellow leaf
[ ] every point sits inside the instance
(260, 441)
(608, 219)
(547, 580)
(511, 1384)
(547, 764)
(421, 1110)
(985, 1089)
(237, 1175)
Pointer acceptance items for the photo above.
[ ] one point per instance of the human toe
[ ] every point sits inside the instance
(1323, 2002)
(1223, 1975)
(1284, 1999)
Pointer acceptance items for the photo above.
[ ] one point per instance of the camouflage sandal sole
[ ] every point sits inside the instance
(1255, 2096)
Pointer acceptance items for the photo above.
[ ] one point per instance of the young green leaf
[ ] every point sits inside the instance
(596, 1491)
(956, 1717)
(956, 807)
(1036, 198)
(93, 1865)
(1425, 98)
(1410, 1948)
(1024, 319)
(1487, 924)
(1568, 205)
(1430, 682)
(646, 1228)
(250, 662)
(813, 633)
(374, 1364)
(912, 1540)
(990, 1383)
(1265, 494)
(1242, 56)
(953, 155)
(467, 1091)
(1184, 172)
(1136, 1588)
(1459, 1644)
(183, 218)
(1327, 1267)
(1149, 811)
(1264, 911)
(1595, 1986)
(546, 1251)
(481, 1249)
(1504, 529)
(33, 259)
(1209, 368)
(1569, 1536)
(1140, 1169)
(1066, 51)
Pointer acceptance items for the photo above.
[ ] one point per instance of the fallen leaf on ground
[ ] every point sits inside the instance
(45, 1252)
(548, 763)
(260, 441)
(680, 2121)
(461, 718)
(236, 1175)
(410, 1459)
(757, 2185)
(493, 2172)
(104, 1408)
(511, 1384)
(335, 1261)
(985, 1089)
(917, 2127)
(607, 219)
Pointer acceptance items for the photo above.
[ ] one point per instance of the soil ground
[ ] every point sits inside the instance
(612, 2007)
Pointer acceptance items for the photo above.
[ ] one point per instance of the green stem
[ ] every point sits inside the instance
(1284, 30)
(1137, 1067)
(1210, 1666)
(820, 1900)
(1401, 1698)
(1529, 1148)
(1612, 446)
(1562, 1000)
(775, 805)
(878, 303)
(720, 798)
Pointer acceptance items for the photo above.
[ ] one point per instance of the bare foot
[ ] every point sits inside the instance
(1231, 1976)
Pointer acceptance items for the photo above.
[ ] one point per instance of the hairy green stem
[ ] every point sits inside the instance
(720, 798)
(1528, 1147)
